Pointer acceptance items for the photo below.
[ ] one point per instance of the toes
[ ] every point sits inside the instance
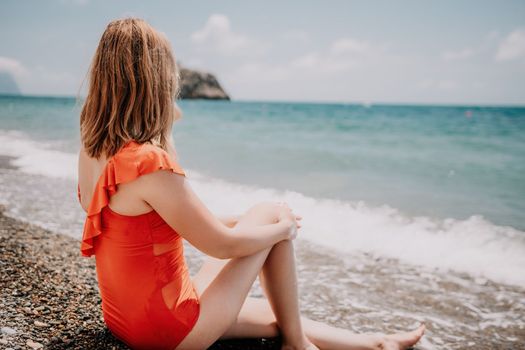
(421, 329)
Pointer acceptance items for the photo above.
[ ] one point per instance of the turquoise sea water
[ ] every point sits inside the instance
(425, 160)
(413, 182)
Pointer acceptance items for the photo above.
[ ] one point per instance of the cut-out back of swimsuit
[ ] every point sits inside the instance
(148, 298)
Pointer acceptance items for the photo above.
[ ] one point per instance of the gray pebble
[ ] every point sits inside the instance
(8, 330)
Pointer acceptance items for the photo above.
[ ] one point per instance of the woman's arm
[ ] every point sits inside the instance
(230, 220)
(171, 196)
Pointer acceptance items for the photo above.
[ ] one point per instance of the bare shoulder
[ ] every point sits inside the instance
(85, 162)
(82, 155)
(82, 178)
(162, 182)
(85, 165)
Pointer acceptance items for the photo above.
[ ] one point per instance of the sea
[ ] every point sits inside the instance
(436, 186)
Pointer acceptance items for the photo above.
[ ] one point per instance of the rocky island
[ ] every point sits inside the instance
(200, 85)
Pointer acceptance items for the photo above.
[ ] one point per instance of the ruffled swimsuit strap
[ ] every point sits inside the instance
(130, 162)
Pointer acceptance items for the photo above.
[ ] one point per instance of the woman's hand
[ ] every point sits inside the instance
(287, 216)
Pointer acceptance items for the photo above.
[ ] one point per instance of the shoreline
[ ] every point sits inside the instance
(49, 296)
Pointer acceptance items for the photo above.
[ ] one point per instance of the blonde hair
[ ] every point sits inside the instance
(133, 83)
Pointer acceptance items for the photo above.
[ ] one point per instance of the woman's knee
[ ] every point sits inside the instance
(262, 213)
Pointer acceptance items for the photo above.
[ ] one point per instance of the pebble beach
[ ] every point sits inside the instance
(49, 297)
(400, 145)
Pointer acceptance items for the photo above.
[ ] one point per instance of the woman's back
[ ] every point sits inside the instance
(148, 298)
(125, 201)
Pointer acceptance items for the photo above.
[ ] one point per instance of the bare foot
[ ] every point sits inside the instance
(401, 341)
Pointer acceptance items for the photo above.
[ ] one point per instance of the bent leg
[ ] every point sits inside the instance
(221, 302)
(279, 280)
(255, 319)
(222, 299)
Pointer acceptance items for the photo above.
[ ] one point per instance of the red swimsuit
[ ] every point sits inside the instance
(133, 281)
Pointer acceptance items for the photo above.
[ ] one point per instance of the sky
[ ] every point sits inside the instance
(416, 52)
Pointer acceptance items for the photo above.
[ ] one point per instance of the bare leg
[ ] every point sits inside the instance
(328, 337)
(279, 280)
(256, 319)
(280, 286)
(222, 299)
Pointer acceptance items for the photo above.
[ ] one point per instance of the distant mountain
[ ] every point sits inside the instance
(200, 85)
(8, 85)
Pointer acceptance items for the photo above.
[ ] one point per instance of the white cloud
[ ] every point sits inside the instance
(458, 55)
(350, 46)
(512, 47)
(39, 79)
(12, 66)
(217, 35)
(342, 56)
(309, 60)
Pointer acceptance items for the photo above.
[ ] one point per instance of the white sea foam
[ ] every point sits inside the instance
(475, 245)
(35, 157)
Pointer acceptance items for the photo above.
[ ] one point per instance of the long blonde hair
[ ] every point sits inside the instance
(133, 82)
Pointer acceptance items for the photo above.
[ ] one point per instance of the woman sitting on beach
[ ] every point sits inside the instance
(140, 206)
